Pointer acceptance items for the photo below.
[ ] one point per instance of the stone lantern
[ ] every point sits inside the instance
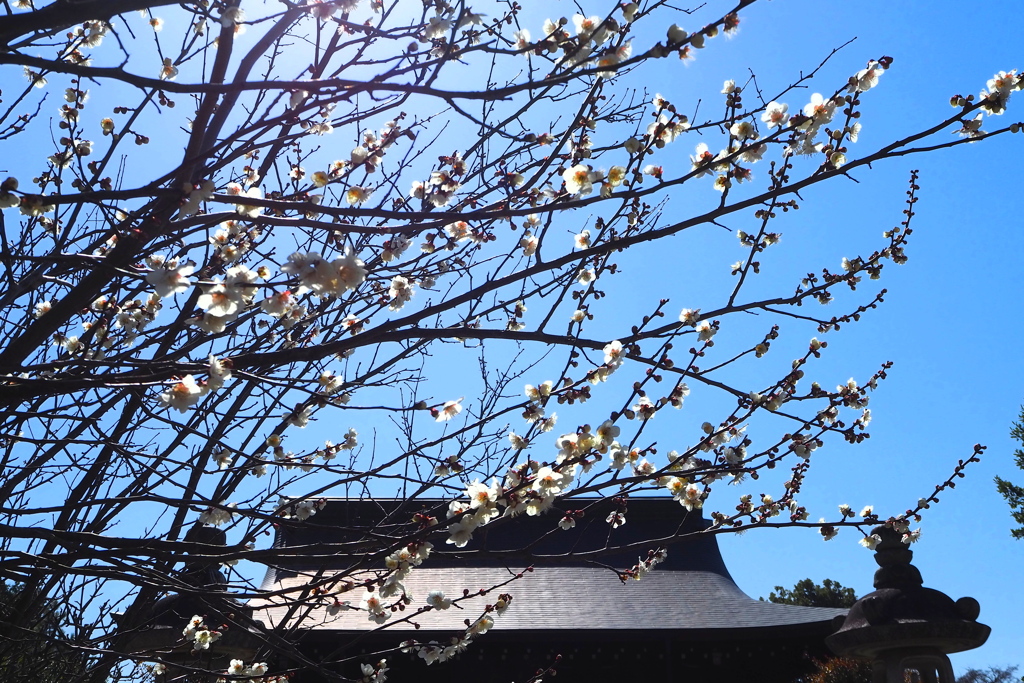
(903, 627)
(162, 636)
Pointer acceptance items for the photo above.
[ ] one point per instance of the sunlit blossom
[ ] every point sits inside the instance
(182, 395)
(400, 292)
(448, 410)
(521, 40)
(169, 277)
(775, 114)
(866, 78)
(437, 600)
(357, 195)
(579, 180)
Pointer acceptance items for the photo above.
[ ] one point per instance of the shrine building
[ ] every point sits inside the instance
(686, 620)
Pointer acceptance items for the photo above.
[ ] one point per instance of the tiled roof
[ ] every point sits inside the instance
(579, 598)
(690, 592)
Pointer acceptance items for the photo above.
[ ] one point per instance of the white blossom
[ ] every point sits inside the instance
(183, 394)
(218, 516)
(775, 114)
(437, 600)
(169, 277)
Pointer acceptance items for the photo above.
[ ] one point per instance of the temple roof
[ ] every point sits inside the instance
(574, 583)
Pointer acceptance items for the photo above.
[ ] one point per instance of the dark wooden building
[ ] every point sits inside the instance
(685, 621)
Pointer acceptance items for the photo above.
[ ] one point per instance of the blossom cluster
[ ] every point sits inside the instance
(302, 510)
(374, 673)
(237, 667)
(117, 326)
(532, 488)
(645, 565)
(218, 515)
(288, 460)
(435, 651)
(199, 634)
(379, 604)
(400, 564)
(187, 391)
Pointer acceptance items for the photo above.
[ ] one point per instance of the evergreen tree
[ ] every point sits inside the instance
(38, 649)
(831, 593)
(809, 594)
(1014, 494)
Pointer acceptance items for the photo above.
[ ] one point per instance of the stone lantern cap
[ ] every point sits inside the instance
(161, 634)
(210, 597)
(901, 613)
